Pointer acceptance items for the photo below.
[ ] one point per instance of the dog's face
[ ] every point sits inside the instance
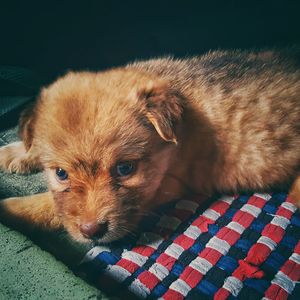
(106, 142)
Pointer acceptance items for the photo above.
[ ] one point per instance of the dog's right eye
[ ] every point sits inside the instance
(125, 168)
(61, 174)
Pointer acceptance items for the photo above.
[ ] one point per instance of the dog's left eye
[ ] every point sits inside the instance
(61, 174)
(125, 168)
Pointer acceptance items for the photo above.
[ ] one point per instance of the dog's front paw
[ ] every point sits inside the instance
(30, 212)
(19, 165)
(9, 153)
(15, 159)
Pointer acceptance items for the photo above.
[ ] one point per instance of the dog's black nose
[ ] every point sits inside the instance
(93, 230)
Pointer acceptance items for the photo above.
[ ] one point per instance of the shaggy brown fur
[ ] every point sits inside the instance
(225, 121)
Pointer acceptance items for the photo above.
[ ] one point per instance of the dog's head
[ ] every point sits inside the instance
(107, 141)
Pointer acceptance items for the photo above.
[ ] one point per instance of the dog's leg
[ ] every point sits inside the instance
(295, 191)
(15, 159)
(30, 212)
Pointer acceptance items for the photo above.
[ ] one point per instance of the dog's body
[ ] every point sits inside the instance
(225, 121)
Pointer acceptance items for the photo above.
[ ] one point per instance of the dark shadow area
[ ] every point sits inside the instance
(52, 37)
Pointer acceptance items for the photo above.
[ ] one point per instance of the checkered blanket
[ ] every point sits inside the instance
(239, 247)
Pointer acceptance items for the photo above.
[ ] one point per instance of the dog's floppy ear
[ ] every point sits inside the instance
(163, 106)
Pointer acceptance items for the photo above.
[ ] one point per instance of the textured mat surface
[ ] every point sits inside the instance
(28, 272)
(241, 247)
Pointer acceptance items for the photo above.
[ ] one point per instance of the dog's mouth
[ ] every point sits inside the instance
(105, 227)
(102, 233)
(94, 230)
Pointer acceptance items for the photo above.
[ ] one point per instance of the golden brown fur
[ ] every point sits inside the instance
(225, 121)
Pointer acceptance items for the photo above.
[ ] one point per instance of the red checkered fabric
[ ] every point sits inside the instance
(244, 247)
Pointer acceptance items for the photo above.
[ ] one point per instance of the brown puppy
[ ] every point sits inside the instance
(116, 143)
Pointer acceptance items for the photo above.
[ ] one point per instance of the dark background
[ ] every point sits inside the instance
(51, 37)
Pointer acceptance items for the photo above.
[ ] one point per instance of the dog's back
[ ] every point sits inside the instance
(252, 102)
